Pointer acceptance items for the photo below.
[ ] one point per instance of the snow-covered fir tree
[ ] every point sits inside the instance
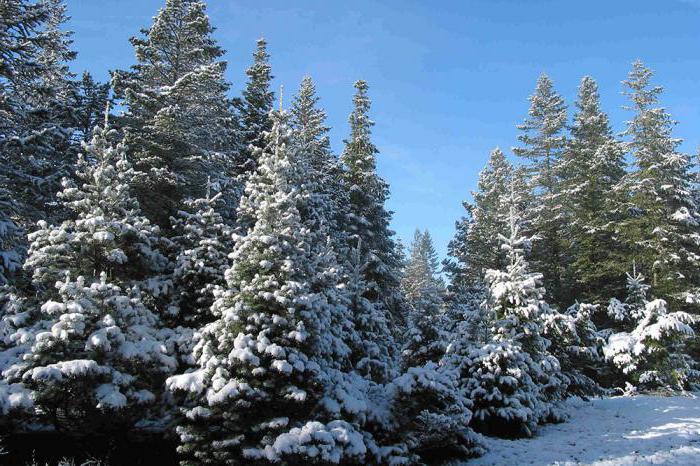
(253, 111)
(426, 337)
(625, 314)
(203, 242)
(280, 314)
(475, 248)
(659, 225)
(577, 344)
(311, 145)
(431, 416)
(543, 145)
(105, 231)
(11, 237)
(517, 310)
(502, 381)
(367, 220)
(179, 121)
(259, 381)
(36, 120)
(373, 350)
(93, 360)
(649, 351)
(84, 328)
(593, 164)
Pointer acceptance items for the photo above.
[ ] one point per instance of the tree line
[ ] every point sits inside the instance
(204, 266)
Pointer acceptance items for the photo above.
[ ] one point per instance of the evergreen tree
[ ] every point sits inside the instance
(649, 352)
(423, 289)
(577, 345)
(625, 314)
(88, 348)
(373, 348)
(592, 166)
(544, 143)
(105, 231)
(432, 416)
(179, 120)
(309, 130)
(91, 99)
(203, 241)
(516, 307)
(367, 220)
(254, 109)
(260, 377)
(312, 148)
(11, 247)
(36, 120)
(658, 229)
(503, 383)
(475, 247)
(94, 361)
(516, 298)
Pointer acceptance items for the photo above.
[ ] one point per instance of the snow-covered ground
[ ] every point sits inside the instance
(640, 430)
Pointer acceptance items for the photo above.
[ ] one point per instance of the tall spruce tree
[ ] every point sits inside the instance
(659, 225)
(593, 164)
(261, 363)
(36, 120)
(367, 220)
(512, 380)
(516, 303)
(178, 119)
(543, 144)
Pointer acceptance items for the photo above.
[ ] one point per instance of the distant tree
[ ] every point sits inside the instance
(475, 247)
(311, 145)
(92, 100)
(426, 338)
(253, 111)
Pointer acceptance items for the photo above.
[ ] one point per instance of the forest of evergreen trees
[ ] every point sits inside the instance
(178, 262)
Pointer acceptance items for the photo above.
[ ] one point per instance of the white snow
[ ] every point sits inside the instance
(639, 430)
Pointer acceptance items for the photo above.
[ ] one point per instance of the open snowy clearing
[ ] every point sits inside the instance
(638, 430)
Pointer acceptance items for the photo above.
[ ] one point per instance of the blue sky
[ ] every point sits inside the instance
(449, 79)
